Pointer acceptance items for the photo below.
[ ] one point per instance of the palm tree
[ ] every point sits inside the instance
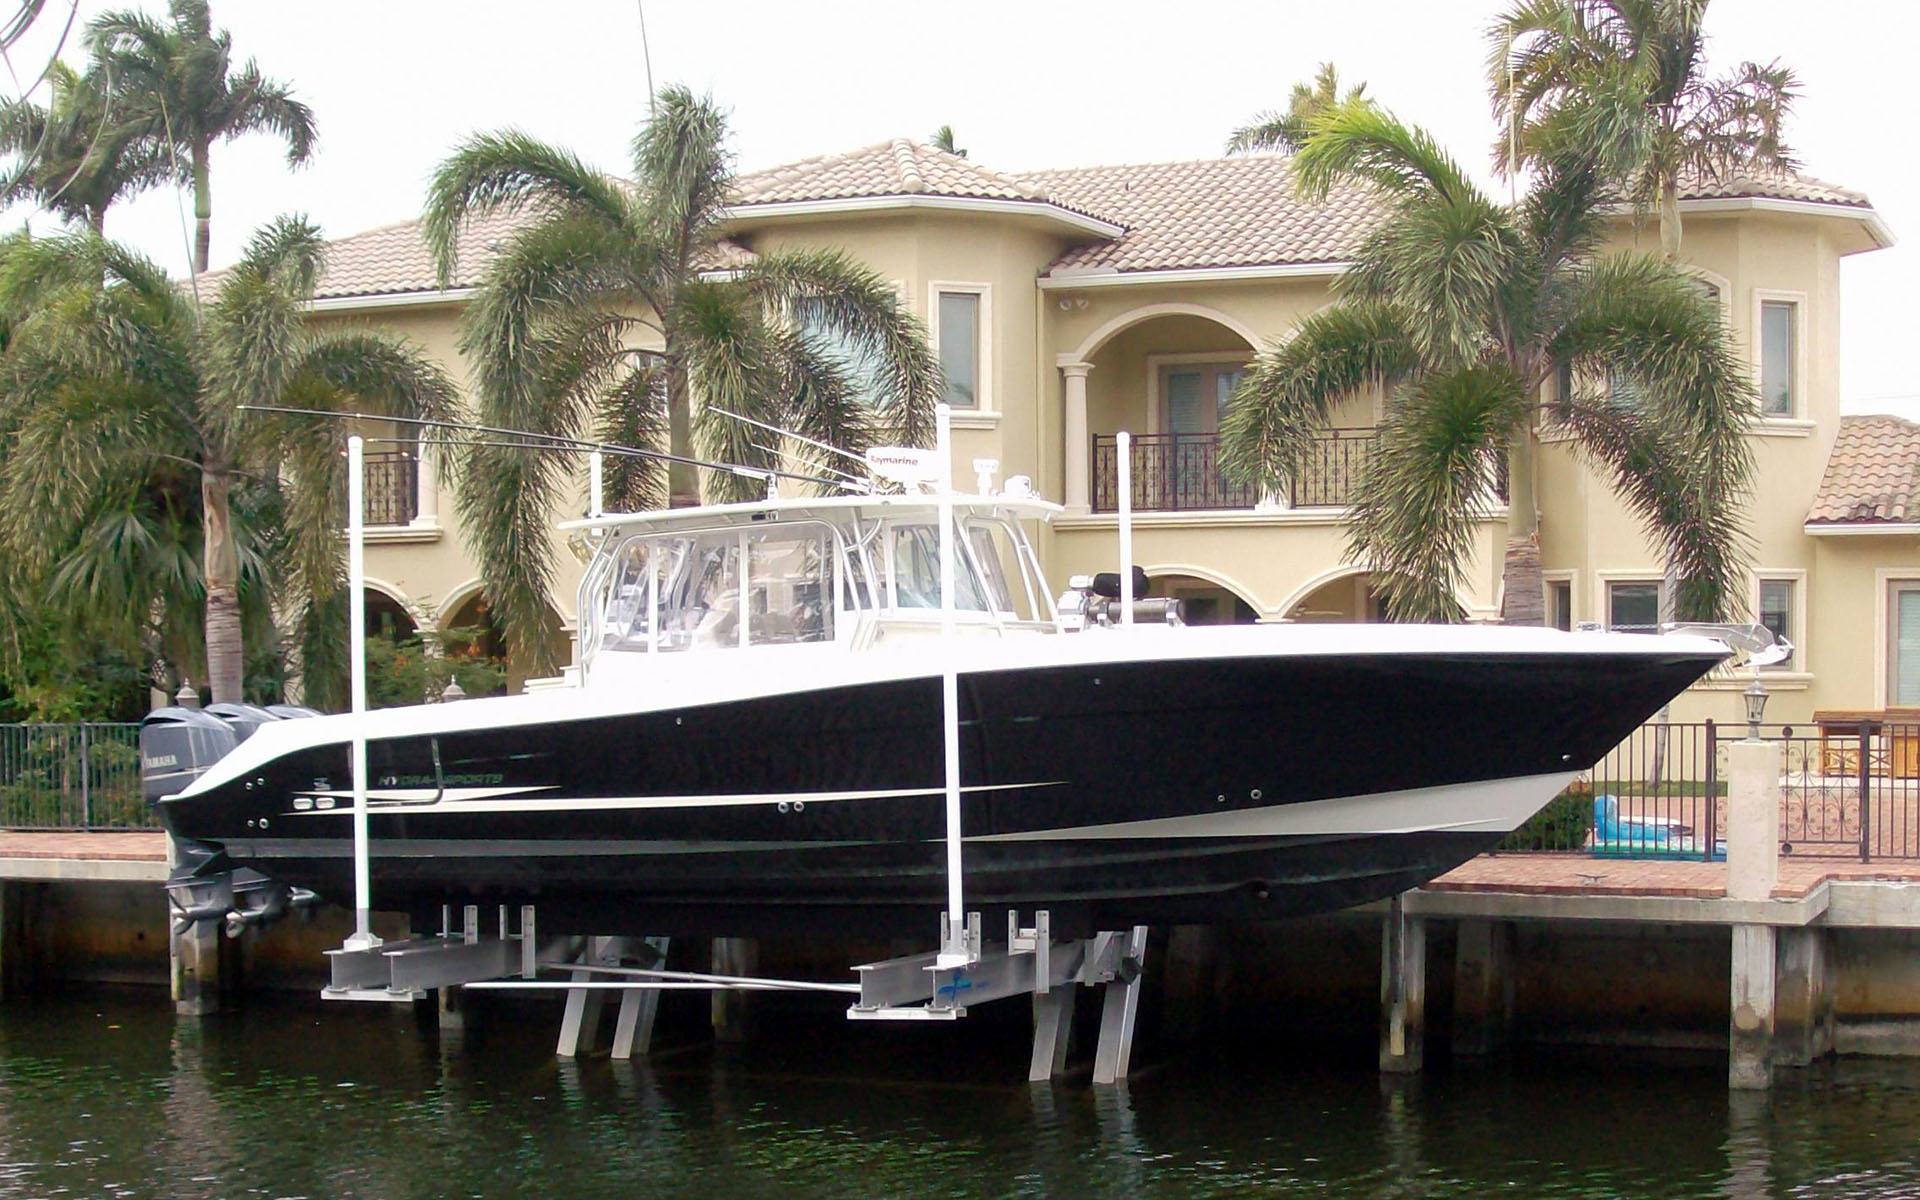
(1627, 79)
(623, 308)
(1460, 308)
(943, 140)
(78, 156)
(122, 401)
(180, 79)
(1288, 131)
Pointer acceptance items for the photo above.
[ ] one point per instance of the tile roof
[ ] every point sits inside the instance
(393, 259)
(895, 168)
(1216, 212)
(1208, 213)
(1772, 185)
(1873, 473)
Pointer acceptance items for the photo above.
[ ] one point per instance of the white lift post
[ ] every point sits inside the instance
(1123, 456)
(955, 948)
(363, 938)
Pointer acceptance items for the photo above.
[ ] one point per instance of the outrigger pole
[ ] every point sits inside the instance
(554, 441)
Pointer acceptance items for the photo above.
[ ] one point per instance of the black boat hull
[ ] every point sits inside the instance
(1111, 793)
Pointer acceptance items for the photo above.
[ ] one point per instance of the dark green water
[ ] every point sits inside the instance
(105, 1095)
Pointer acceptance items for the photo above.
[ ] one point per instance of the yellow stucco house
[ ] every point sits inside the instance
(1069, 305)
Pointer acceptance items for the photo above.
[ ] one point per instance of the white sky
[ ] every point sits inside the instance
(1024, 84)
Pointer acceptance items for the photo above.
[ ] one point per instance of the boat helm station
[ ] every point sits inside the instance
(849, 572)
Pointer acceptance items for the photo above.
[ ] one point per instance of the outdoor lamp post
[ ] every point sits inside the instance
(1756, 698)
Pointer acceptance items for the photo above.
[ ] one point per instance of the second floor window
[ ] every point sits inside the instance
(959, 331)
(1777, 321)
(1633, 607)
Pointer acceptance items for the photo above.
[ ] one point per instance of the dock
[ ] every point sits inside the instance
(1521, 947)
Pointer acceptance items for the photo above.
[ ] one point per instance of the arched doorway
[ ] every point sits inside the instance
(1165, 374)
(1347, 599)
(473, 630)
(387, 617)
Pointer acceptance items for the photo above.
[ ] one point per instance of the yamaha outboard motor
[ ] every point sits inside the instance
(244, 718)
(177, 745)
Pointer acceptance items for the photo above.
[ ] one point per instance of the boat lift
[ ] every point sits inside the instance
(965, 970)
(916, 987)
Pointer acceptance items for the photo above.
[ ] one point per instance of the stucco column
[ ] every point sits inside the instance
(1075, 444)
(427, 486)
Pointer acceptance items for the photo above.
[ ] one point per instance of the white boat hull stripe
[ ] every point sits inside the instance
(497, 803)
(1486, 806)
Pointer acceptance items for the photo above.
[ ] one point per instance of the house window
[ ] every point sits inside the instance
(1633, 607)
(1904, 644)
(1622, 391)
(1777, 331)
(1560, 603)
(1195, 397)
(959, 335)
(1776, 613)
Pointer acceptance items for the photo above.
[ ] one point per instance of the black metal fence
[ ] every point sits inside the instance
(71, 777)
(1662, 794)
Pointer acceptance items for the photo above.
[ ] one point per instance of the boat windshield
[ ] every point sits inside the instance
(798, 582)
(725, 588)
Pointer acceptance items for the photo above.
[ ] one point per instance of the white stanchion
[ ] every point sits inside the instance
(595, 485)
(953, 948)
(362, 938)
(1123, 452)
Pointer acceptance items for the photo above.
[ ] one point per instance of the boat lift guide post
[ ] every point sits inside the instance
(363, 937)
(938, 986)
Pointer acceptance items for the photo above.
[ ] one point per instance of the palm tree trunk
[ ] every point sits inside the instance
(202, 210)
(226, 655)
(683, 479)
(1670, 218)
(1523, 599)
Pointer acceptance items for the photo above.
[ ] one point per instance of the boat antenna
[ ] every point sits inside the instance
(531, 440)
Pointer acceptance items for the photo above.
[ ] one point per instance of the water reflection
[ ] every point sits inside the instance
(307, 1100)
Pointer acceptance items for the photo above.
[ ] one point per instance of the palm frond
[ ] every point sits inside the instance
(1290, 389)
(684, 171)
(512, 172)
(1698, 530)
(1419, 499)
(1359, 140)
(634, 413)
(731, 364)
(851, 305)
(255, 103)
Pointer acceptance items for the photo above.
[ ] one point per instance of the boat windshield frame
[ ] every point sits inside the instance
(870, 554)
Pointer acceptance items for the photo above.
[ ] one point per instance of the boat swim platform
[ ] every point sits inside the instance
(1513, 886)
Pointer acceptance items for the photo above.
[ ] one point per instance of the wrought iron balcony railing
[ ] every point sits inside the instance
(1181, 471)
(392, 488)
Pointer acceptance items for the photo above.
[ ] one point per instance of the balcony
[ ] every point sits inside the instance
(392, 488)
(1179, 472)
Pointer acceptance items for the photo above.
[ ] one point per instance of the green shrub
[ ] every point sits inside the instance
(1562, 825)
